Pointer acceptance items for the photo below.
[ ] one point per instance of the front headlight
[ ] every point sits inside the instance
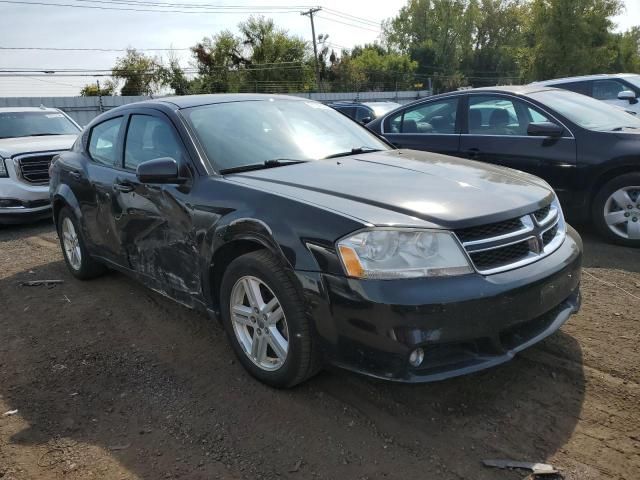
(3, 168)
(402, 253)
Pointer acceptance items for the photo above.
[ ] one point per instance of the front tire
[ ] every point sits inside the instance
(616, 210)
(79, 262)
(263, 313)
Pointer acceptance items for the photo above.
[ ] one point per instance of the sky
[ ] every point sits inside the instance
(66, 27)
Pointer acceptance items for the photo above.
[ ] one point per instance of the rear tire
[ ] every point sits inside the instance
(79, 262)
(616, 210)
(264, 315)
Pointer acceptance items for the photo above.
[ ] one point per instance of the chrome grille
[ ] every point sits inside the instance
(34, 168)
(498, 257)
(542, 213)
(489, 230)
(501, 246)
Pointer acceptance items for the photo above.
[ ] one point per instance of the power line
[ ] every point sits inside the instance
(352, 18)
(196, 5)
(148, 10)
(61, 49)
(349, 24)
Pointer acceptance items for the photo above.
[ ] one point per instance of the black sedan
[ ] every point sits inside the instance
(313, 240)
(587, 150)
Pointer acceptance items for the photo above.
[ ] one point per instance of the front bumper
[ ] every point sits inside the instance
(463, 324)
(21, 202)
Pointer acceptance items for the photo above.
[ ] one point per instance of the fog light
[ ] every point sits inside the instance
(416, 357)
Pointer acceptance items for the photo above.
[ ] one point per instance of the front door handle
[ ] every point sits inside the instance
(473, 153)
(123, 186)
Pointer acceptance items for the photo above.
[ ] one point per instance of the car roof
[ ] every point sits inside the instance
(188, 101)
(27, 109)
(601, 76)
(356, 102)
(513, 89)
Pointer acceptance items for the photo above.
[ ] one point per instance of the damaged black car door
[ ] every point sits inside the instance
(153, 221)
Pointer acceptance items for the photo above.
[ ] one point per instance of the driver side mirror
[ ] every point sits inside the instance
(544, 129)
(159, 170)
(628, 95)
(365, 120)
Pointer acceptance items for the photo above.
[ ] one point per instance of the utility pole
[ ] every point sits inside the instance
(310, 12)
(99, 97)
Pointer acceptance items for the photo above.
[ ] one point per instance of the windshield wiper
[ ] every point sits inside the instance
(274, 162)
(354, 151)
(618, 129)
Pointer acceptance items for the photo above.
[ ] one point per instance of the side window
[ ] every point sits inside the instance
(607, 89)
(362, 113)
(493, 115)
(149, 138)
(496, 115)
(433, 117)
(103, 141)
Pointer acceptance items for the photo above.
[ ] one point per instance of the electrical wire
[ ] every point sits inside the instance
(147, 10)
(329, 19)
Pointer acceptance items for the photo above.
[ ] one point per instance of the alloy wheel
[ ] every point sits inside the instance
(259, 323)
(71, 244)
(622, 212)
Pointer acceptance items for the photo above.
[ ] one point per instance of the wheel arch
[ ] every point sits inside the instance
(64, 197)
(238, 238)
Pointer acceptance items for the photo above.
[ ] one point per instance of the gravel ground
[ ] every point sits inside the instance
(111, 380)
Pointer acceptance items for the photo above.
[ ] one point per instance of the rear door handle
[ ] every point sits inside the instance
(473, 153)
(123, 186)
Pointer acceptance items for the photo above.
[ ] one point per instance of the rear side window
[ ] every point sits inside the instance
(104, 140)
(434, 117)
(149, 138)
(348, 111)
(579, 87)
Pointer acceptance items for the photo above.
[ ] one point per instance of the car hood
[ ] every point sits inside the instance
(407, 187)
(15, 146)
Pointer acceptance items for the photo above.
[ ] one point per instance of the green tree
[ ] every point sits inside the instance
(261, 58)
(218, 60)
(571, 37)
(372, 67)
(434, 33)
(628, 51)
(142, 74)
(107, 89)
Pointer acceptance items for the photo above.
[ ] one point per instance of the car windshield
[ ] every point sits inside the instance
(587, 112)
(29, 124)
(236, 134)
(634, 80)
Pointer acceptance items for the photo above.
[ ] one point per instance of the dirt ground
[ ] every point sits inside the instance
(113, 381)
